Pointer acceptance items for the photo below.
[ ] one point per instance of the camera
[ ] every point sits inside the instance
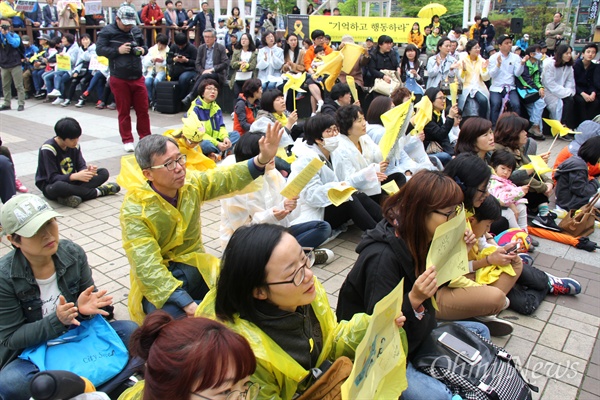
(134, 50)
(5, 27)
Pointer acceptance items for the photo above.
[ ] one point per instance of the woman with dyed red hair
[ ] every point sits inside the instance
(191, 358)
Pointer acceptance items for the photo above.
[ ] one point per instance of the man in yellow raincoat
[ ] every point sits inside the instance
(160, 221)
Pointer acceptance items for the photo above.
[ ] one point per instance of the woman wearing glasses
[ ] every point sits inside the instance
(191, 358)
(397, 249)
(267, 292)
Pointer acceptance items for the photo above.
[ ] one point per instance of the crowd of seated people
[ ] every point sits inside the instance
(266, 319)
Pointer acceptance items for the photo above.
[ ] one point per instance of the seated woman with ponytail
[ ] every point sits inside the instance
(191, 358)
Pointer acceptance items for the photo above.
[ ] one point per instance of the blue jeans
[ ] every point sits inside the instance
(16, 375)
(56, 80)
(311, 234)
(535, 111)
(496, 104)
(99, 80)
(185, 82)
(443, 157)
(151, 83)
(36, 76)
(209, 148)
(424, 387)
(269, 85)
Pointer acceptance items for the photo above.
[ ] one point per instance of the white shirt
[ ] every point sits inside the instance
(505, 75)
(49, 294)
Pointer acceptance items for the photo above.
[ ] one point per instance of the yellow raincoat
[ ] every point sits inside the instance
(155, 233)
(277, 373)
(133, 393)
(490, 274)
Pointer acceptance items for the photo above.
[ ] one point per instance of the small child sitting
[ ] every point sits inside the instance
(506, 192)
(318, 60)
(62, 173)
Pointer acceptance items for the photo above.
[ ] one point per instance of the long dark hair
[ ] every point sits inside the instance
(287, 48)
(560, 51)
(408, 210)
(243, 269)
(251, 45)
(469, 172)
(404, 65)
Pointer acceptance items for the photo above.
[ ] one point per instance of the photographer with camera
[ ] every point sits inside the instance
(123, 44)
(10, 64)
(181, 60)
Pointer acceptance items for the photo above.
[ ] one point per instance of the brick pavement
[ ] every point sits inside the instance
(558, 345)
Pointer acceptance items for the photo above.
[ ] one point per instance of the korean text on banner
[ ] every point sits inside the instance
(360, 28)
(379, 370)
(63, 62)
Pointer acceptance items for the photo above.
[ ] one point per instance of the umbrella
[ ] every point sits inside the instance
(432, 9)
(582, 243)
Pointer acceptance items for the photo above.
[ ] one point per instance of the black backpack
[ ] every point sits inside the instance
(494, 377)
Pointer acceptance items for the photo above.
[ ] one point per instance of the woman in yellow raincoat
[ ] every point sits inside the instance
(188, 138)
(268, 294)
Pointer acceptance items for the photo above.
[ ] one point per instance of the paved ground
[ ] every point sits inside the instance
(558, 346)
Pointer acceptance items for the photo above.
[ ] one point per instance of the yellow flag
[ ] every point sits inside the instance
(393, 121)
(453, 92)
(351, 53)
(422, 116)
(294, 82)
(539, 165)
(332, 65)
(558, 128)
(352, 84)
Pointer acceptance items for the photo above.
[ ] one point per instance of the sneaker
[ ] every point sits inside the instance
(21, 107)
(20, 187)
(535, 133)
(100, 105)
(323, 256)
(526, 259)
(506, 303)
(319, 105)
(534, 242)
(546, 222)
(129, 147)
(57, 101)
(54, 93)
(80, 103)
(66, 103)
(563, 285)
(112, 106)
(39, 95)
(109, 188)
(497, 326)
(85, 94)
(567, 138)
(71, 201)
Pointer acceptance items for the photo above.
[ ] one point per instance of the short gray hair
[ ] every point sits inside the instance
(150, 146)
(210, 30)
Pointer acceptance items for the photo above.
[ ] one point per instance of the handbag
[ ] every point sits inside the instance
(528, 95)
(579, 223)
(433, 148)
(445, 85)
(328, 385)
(382, 87)
(92, 350)
(493, 376)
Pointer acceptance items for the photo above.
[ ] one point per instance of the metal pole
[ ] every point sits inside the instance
(465, 14)
(574, 31)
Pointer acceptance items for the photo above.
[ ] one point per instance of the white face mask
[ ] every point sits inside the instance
(331, 143)
(538, 56)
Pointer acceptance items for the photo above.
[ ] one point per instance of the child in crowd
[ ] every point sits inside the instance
(62, 173)
(318, 60)
(506, 192)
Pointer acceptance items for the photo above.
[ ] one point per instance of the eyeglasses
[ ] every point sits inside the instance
(451, 214)
(300, 273)
(170, 165)
(249, 394)
(211, 88)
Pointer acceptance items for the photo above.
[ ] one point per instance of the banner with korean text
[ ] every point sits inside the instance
(360, 28)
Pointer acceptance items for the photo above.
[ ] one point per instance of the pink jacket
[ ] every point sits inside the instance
(505, 191)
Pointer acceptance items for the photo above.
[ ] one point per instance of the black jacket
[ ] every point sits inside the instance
(176, 69)
(10, 56)
(381, 61)
(584, 78)
(382, 262)
(122, 66)
(437, 131)
(573, 189)
(330, 107)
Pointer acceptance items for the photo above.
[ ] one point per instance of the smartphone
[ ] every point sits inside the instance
(514, 248)
(464, 350)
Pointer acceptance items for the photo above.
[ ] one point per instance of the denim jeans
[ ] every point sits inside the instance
(496, 104)
(38, 82)
(151, 83)
(16, 375)
(443, 157)
(185, 82)
(424, 387)
(311, 234)
(269, 85)
(535, 111)
(56, 80)
(98, 79)
(209, 148)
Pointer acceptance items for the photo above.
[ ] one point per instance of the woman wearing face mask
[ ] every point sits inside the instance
(442, 65)
(321, 139)
(559, 80)
(473, 73)
(531, 79)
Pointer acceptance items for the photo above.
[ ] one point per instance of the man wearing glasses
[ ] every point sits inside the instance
(161, 227)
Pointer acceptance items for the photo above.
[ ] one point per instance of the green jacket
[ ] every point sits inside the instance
(211, 116)
(531, 76)
(21, 322)
(432, 42)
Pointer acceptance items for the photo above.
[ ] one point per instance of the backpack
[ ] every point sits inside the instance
(494, 377)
